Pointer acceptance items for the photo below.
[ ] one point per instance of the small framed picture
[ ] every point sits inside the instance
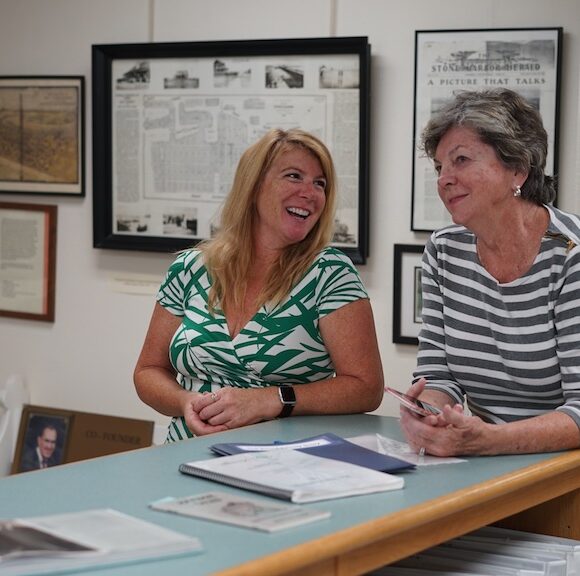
(49, 436)
(28, 260)
(42, 438)
(407, 297)
(42, 135)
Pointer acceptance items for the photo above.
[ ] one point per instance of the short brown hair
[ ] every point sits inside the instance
(507, 122)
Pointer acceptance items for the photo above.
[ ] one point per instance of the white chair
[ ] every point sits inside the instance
(13, 395)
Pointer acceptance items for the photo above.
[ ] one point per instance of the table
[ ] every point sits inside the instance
(364, 532)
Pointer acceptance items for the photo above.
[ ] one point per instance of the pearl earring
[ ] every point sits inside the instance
(517, 191)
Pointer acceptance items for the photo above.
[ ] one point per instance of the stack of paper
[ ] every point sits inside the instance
(79, 540)
(495, 552)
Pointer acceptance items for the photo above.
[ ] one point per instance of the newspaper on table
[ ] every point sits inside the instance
(75, 541)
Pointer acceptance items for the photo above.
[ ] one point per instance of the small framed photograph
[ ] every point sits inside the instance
(407, 299)
(50, 436)
(171, 121)
(42, 135)
(27, 260)
(526, 60)
(42, 438)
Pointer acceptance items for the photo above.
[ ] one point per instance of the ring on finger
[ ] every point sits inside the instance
(422, 451)
(214, 396)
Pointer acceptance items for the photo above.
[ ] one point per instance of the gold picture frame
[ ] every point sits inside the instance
(43, 432)
(74, 436)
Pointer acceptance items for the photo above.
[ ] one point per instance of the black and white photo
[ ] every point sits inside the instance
(171, 121)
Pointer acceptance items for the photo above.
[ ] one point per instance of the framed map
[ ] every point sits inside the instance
(171, 121)
(42, 135)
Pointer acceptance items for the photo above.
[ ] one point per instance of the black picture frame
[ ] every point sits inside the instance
(526, 60)
(42, 135)
(407, 301)
(201, 104)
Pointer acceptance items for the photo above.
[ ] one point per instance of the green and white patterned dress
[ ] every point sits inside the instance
(278, 345)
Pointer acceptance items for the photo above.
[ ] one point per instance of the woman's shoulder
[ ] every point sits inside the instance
(564, 223)
(331, 260)
(332, 255)
(188, 258)
(449, 233)
(186, 261)
(451, 237)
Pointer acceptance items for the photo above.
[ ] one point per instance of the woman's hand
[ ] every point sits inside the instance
(192, 418)
(232, 408)
(451, 433)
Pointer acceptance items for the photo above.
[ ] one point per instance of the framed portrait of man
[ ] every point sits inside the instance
(48, 437)
(42, 439)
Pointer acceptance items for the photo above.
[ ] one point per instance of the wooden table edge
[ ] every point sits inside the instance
(387, 539)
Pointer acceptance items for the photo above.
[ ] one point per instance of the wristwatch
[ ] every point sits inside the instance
(288, 399)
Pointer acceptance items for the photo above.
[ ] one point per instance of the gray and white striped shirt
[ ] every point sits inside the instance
(512, 349)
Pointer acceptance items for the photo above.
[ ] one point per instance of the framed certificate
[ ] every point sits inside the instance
(27, 260)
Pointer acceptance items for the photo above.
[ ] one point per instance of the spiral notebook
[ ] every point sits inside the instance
(293, 475)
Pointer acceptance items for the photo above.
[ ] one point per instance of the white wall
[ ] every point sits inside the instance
(84, 361)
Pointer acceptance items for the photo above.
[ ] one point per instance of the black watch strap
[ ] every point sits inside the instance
(288, 399)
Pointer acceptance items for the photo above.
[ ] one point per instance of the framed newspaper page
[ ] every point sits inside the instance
(27, 260)
(171, 121)
(526, 60)
(407, 294)
(42, 135)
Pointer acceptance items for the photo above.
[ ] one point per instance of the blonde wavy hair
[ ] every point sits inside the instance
(229, 254)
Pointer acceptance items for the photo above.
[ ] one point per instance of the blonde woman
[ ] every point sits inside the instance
(265, 320)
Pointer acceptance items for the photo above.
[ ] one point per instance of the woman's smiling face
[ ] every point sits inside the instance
(472, 181)
(290, 200)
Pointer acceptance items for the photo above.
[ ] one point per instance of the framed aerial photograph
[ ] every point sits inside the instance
(407, 296)
(42, 135)
(27, 260)
(171, 120)
(526, 60)
(42, 438)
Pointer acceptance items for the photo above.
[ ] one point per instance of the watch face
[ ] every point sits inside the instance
(287, 395)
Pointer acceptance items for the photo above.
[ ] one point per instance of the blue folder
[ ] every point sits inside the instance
(328, 446)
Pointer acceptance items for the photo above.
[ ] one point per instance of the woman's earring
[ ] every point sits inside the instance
(517, 191)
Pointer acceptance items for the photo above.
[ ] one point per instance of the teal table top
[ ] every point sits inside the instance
(130, 481)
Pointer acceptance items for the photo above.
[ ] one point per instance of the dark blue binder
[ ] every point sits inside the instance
(327, 446)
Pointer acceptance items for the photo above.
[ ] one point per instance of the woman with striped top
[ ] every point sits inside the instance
(501, 289)
(265, 319)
